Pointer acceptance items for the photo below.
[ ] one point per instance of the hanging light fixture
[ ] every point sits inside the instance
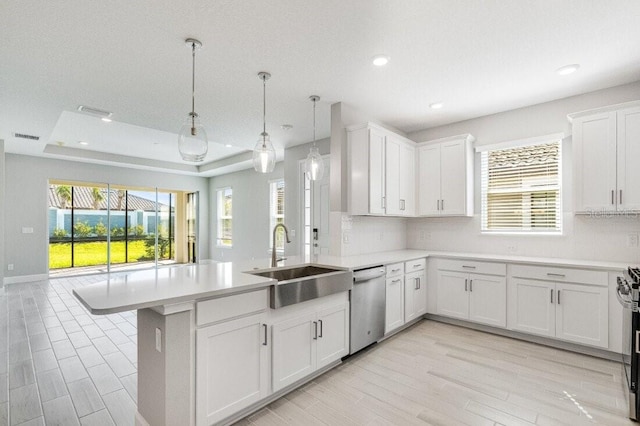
(192, 141)
(313, 165)
(264, 154)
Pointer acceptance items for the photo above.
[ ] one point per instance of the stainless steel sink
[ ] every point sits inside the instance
(305, 282)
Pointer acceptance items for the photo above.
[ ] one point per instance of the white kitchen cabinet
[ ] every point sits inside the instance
(604, 149)
(479, 296)
(381, 172)
(333, 334)
(233, 353)
(415, 295)
(394, 317)
(568, 304)
(445, 177)
(308, 342)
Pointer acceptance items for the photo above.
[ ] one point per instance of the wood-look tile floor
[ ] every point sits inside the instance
(59, 365)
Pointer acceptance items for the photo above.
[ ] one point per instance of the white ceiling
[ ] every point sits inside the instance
(129, 57)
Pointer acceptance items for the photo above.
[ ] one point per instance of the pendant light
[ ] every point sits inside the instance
(192, 141)
(313, 165)
(264, 154)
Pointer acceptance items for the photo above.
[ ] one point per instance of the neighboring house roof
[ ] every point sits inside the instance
(83, 199)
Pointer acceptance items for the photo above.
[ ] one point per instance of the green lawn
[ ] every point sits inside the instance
(93, 253)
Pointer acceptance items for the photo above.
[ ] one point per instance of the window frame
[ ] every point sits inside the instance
(220, 217)
(484, 182)
(273, 212)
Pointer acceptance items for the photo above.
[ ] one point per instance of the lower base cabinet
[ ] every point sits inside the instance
(394, 311)
(568, 311)
(415, 295)
(306, 343)
(233, 353)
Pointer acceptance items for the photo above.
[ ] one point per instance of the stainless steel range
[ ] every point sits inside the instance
(629, 296)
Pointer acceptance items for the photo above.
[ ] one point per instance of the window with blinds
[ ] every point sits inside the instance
(276, 213)
(521, 189)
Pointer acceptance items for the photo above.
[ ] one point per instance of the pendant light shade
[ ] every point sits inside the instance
(264, 154)
(192, 141)
(313, 165)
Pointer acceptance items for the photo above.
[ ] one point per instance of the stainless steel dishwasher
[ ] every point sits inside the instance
(367, 307)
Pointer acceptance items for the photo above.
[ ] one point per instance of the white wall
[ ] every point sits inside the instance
(250, 214)
(26, 196)
(368, 234)
(2, 203)
(598, 238)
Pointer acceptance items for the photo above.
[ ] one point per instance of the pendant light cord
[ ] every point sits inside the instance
(314, 122)
(193, 84)
(264, 111)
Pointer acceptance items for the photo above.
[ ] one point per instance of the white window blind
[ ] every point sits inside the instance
(276, 213)
(225, 217)
(521, 189)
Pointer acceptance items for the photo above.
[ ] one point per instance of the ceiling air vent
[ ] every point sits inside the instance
(25, 136)
(94, 111)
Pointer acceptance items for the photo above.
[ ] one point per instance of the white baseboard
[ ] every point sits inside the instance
(26, 278)
(139, 420)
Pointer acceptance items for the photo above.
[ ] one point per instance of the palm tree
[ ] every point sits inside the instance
(98, 197)
(64, 193)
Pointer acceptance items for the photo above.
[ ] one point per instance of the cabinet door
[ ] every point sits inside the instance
(582, 314)
(376, 172)
(453, 178)
(628, 136)
(415, 295)
(408, 179)
(429, 180)
(333, 334)
(232, 370)
(534, 307)
(294, 351)
(453, 296)
(394, 313)
(594, 153)
(488, 299)
(392, 176)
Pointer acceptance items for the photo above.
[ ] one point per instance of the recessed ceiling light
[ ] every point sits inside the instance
(83, 143)
(436, 105)
(106, 119)
(286, 127)
(228, 145)
(380, 60)
(568, 69)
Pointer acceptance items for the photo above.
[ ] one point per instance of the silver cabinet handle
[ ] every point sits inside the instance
(558, 297)
(320, 321)
(383, 202)
(417, 283)
(621, 196)
(395, 270)
(315, 330)
(396, 281)
(466, 281)
(551, 296)
(402, 207)
(442, 204)
(612, 195)
(468, 267)
(417, 265)
(551, 274)
(470, 286)
(638, 341)
(264, 343)
(438, 205)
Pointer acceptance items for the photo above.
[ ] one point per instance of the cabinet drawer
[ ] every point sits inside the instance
(395, 269)
(415, 265)
(550, 273)
(222, 308)
(471, 266)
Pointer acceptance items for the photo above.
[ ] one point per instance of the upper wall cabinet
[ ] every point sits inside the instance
(445, 177)
(381, 172)
(606, 142)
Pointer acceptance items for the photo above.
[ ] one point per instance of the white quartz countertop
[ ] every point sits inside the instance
(167, 285)
(182, 283)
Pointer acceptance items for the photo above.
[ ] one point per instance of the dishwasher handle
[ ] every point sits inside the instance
(368, 274)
